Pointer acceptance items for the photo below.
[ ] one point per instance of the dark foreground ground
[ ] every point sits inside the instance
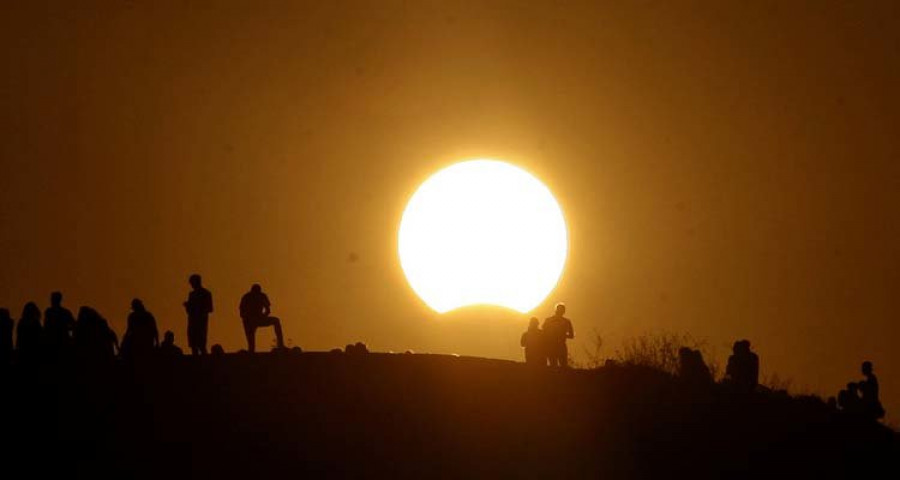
(415, 416)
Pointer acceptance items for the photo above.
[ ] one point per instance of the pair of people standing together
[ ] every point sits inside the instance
(547, 344)
(255, 311)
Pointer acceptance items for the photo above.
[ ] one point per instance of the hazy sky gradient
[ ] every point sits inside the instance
(728, 169)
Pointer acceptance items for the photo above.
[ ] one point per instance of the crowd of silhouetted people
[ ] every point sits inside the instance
(89, 338)
(545, 345)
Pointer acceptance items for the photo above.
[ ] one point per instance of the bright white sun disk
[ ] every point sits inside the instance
(482, 232)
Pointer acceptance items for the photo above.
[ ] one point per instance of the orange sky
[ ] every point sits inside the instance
(726, 170)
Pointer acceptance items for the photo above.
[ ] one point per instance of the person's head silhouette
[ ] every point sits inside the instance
(560, 309)
(31, 311)
(196, 281)
(256, 288)
(137, 305)
(4, 313)
(56, 299)
(867, 368)
(169, 337)
(533, 323)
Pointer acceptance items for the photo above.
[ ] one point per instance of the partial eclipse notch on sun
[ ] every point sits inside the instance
(482, 232)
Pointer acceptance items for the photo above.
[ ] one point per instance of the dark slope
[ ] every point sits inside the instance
(416, 416)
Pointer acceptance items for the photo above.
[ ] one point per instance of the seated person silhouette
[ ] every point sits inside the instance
(141, 335)
(691, 367)
(255, 312)
(742, 371)
(868, 389)
(557, 329)
(533, 343)
(168, 348)
(6, 336)
(358, 348)
(848, 399)
(58, 326)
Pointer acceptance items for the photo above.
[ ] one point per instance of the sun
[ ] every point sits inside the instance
(482, 232)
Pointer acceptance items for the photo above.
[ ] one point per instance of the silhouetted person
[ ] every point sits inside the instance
(358, 348)
(255, 312)
(848, 399)
(109, 341)
(557, 329)
(28, 334)
(59, 324)
(691, 367)
(217, 351)
(868, 390)
(168, 347)
(6, 337)
(95, 342)
(198, 306)
(742, 371)
(533, 343)
(141, 335)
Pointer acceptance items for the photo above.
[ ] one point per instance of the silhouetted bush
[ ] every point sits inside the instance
(660, 351)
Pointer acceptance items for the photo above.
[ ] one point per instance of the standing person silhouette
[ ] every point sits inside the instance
(141, 335)
(533, 343)
(28, 334)
(198, 306)
(58, 326)
(256, 312)
(558, 329)
(6, 337)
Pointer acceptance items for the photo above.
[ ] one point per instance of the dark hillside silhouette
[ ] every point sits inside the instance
(421, 416)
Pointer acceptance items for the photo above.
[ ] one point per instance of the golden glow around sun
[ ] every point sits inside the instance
(482, 232)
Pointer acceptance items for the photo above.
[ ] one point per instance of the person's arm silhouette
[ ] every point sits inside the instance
(570, 332)
(267, 307)
(155, 331)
